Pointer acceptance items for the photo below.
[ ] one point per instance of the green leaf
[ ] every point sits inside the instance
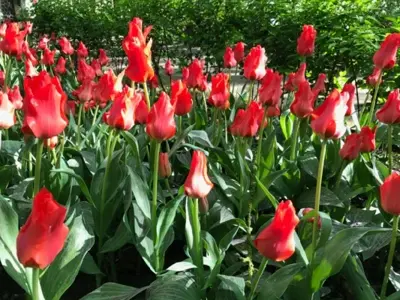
(200, 137)
(139, 189)
(89, 266)
(328, 198)
(232, 284)
(114, 291)
(181, 266)
(174, 287)
(276, 284)
(120, 238)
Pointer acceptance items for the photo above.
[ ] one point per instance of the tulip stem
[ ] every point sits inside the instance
(154, 204)
(197, 252)
(390, 143)
(260, 139)
(35, 284)
(78, 128)
(146, 94)
(39, 151)
(205, 105)
(318, 196)
(295, 134)
(251, 87)
(390, 257)
(373, 101)
(339, 174)
(256, 280)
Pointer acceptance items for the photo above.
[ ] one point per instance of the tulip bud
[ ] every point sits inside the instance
(164, 166)
(254, 64)
(239, 52)
(181, 98)
(48, 57)
(389, 113)
(85, 71)
(247, 122)
(229, 58)
(306, 41)
(390, 191)
(82, 51)
(270, 91)
(51, 143)
(373, 79)
(15, 97)
(66, 46)
(219, 96)
(196, 77)
(351, 90)
(351, 147)
(103, 59)
(303, 103)
(60, 67)
(367, 139)
(160, 123)
(169, 70)
(198, 184)
(142, 111)
(385, 57)
(7, 117)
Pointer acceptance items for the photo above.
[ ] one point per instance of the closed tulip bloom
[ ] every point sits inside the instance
(13, 40)
(105, 90)
(390, 191)
(122, 112)
(43, 236)
(14, 95)
(66, 46)
(82, 51)
(85, 71)
(270, 91)
(351, 89)
(181, 99)
(367, 139)
(219, 96)
(139, 67)
(164, 166)
(351, 147)
(48, 57)
(70, 108)
(185, 74)
(3, 28)
(328, 118)
(44, 105)
(389, 113)
(2, 78)
(294, 79)
(29, 53)
(51, 143)
(160, 123)
(247, 122)
(7, 110)
(103, 58)
(95, 64)
(229, 58)
(60, 67)
(136, 31)
(303, 104)
(43, 41)
(276, 241)
(197, 183)
(385, 57)
(254, 64)
(141, 111)
(30, 69)
(306, 41)
(85, 91)
(154, 82)
(239, 52)
(319, 85)
(196, 77)
(273, 111)
(373, 79)
(169, 69)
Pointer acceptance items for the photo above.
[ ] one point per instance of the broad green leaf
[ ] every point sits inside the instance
(89, 266)
(200, 137)
(394, 278)
(174, 287)
(233, 285)
(139, 189)
(328, 198)
(120, 238)
(114, 291)
(181, 266)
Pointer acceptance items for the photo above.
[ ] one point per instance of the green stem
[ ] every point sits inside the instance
(39, 151)
(169, 188)
(215, 131)
(61, 151)
(180, 130)
(154, 204)
(36, 284)
(318, 196)
(256, 280)
(259, 146)
(365, 103)
(205, 105)
(96, 111)
(225, 127)
(251, 86)
(0, 138)
(295, 134)
(373, 101)
(146, 94)
(78, 129)
(390, 257)
(197, 251)
(339, 174)
(390, 143)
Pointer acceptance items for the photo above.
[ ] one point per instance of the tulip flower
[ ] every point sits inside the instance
(66, 46)
(60, 67)
(219, 96)
(247, 122)
(197, 183)
(390, 191)
(7, 110)
(181, 99)
(351, 147)
(14, 95)
(303, 104)
(70, 108)
(389, 113)
(95, 64)
(44, 105)
(51, 143)
(185, 74)
(48, 57)
(82, 51)
(136, 31)
(351, 90)
(239, 52)
(13, 40)
(254, 63)
(229, 58)
(276, 241)
(44, 234)
(169, 69)
(160, 123)
(43, 41)
(85, 91)
(385, 57)
(367, 139)
(273, 111)
(2, 78)
(29, 53)
(30, 70)
(306, 41)
(270, 91)
(319, 86)
(105, 89)
(373, 79)
(164, 167)
(311, 220)
(328, 118)
(85, 71)
(154, 82)
(295, 79)
(141, 111)
(3, 29)
(196, 77)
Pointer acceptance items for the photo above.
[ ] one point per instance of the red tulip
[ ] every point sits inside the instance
(141, 111)
(390, 191)
(43, 41)
(351, 147)
(85, 91)
(295, 79)
(367, 139)
(373, 79)
(43, 236)
(160, 123)
(51, 143)
(319, 86)
(66, 46)
(247, 122)
(30, 70)
(273, 111)
(29, 53)
(60, 67)
(95, 64)
(181, 99)
(229, 58)
(105, 89)
(7, 110)
(164, 166)
(328, 118)
(82, 51)
(254, 64)
(185, 74)
(239, 52)
(197, 183)
(351, 90)
(48, 57)
(70, 108)
(196, 78)
(14, 95)
(169, 69)
(303, 104)
(385, 57)
(103, 59)
(270, 91)
(28, 26)
(85, 71)
(135, 31)
(219, 96)
(122, 111)
(13, 39)
(154, 82)
(44, 105)
(311, 220)
(389, 113)
(2, 77)
(276, 241)
(306, 41)
(3, 28)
